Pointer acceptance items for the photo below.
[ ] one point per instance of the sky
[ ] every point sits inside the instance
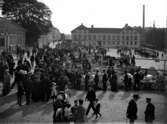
(68, 14)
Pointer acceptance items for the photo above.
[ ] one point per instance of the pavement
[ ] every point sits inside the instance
(113, 108)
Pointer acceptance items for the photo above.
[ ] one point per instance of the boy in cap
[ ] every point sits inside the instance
(131, 113)
(149, 112)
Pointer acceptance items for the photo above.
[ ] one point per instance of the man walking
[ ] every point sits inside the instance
(149, 112)
(104, 80)
(86, 80)
(137, 78)
(91, 97)
(96, 80)
(131, 113)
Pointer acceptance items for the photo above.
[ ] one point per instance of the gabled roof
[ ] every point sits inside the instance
(81, 27)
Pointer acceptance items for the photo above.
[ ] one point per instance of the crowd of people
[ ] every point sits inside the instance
(41, 74)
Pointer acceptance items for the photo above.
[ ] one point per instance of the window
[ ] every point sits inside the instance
(89, 37)
(84, 37)
(131, 37)
(118, 37)
(113, 42)
(131, 43)
(99, 37)
(135, 43)
(109, 37)
(108, 42)
(127, 43)
(123, 43)
(122, 37)
(94, 37)
(127, 37)
(104, 37)
(118, 43)
(79, 37)
(2, 41)
(135, 37)
(113, 37)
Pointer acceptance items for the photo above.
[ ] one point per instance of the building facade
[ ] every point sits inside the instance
(11, 35)
(107, 37)
(53, 35)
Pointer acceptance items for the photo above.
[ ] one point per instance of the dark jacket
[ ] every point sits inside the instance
(132, 110)
(96, 79)
(150, 113)
(91, 96)
(104, 79)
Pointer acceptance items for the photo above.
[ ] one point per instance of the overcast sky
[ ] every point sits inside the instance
(68, 14)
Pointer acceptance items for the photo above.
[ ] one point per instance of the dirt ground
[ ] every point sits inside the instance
(113, 109)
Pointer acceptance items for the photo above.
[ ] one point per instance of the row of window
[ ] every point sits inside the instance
(123, 32)
(117, 43)
(104, 37)
(120, 43)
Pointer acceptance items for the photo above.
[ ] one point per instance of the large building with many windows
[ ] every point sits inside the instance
(108, 37)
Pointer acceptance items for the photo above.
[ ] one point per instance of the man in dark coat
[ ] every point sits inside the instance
(131, 113)
(86, 80)
(113, 82)
(104, 80)
(149, 112)
(96, 80)
(91, 97)
(137, 79)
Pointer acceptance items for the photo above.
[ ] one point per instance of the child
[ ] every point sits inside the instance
(74, 110)
(97, 108)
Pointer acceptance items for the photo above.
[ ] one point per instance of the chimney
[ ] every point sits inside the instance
(143, 16)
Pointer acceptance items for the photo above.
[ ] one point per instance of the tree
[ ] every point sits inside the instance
(34, 16)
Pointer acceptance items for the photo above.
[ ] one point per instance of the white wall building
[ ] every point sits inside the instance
(107, 37)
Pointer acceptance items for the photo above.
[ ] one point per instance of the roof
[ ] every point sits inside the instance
(81, 27)
(104, 30)
(10, 26)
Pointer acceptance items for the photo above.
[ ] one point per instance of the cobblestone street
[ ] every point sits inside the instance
(113, 108)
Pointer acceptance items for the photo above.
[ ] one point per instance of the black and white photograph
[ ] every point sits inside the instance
(83, 61)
